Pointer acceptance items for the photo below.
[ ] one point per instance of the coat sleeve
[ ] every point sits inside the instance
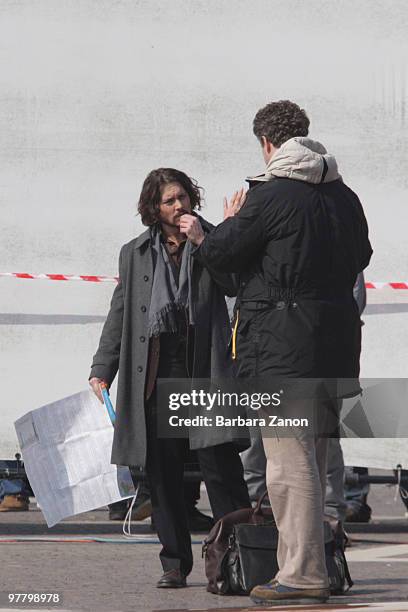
(230, 245)
(228, 283)
(105, 363)
(359, 293)
(365, 246)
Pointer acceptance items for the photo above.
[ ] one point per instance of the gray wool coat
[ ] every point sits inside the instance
(124, 346)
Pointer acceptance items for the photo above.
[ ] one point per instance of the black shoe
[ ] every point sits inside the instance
(173, 579)
(118, 510)
(358, 513)
(199, 522)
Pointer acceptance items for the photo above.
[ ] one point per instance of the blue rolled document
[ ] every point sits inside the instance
(108, 404)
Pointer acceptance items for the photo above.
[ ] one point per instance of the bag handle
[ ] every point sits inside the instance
(346, 571)
(257, 514)
(257, 509)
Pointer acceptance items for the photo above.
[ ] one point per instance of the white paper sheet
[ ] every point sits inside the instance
(66, 448)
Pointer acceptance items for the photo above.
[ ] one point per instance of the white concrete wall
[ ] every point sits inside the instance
(95, 93)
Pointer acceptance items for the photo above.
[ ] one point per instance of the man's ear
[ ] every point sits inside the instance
(267, 146)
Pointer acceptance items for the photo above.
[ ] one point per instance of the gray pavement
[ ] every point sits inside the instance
(89, 562)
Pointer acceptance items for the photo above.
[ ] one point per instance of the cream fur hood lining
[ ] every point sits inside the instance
(302, 159)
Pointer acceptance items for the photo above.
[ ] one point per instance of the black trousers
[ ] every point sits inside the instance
(191, 488)
(222, 471)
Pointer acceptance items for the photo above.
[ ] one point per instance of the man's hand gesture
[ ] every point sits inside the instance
(191, 227)
(234, 205)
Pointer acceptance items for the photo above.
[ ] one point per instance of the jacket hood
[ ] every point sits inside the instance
(302, 159)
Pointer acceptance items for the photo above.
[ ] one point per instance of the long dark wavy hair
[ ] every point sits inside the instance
(150, 196)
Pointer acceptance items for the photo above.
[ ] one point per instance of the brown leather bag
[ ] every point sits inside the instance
(226, 574)
(217, 544)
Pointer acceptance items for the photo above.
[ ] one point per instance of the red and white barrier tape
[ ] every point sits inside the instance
(114, 279)
(395, 285)
(62, 277)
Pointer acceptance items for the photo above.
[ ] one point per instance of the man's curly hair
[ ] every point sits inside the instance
(279, 121)
(151, 194)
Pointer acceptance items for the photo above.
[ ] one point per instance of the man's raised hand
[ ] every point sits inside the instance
(236, 202)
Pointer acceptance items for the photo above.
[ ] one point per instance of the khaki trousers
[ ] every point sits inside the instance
(296, 477)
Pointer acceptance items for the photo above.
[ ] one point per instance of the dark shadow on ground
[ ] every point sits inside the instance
(356, 541)
(378, 581)
(385, 526)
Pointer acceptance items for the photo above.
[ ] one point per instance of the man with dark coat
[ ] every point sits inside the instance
(168, 319)
(298, 243)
